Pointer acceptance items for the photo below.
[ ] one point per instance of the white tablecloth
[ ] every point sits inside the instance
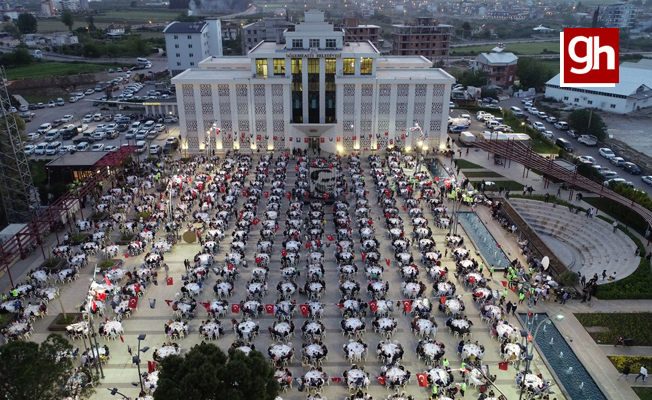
(470, 350)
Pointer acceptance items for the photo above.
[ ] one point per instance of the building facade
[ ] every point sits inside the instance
(354, 32)
(266, 30)
(188, 43)
(499, 67)
(424, 37)
(621, 15)
(313, 92)
(633, 92)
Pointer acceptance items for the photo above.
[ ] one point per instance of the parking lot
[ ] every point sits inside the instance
(579, 149)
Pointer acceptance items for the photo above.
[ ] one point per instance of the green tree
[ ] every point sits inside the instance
(533, 73)
(588, 122)
(475, 78)
(26, 23)
(205, 372)
(91, 23)
(92, 50)
(68, 19)
(12, 29)
(31, 371)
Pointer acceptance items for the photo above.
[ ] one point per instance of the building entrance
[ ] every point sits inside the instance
(314, 143)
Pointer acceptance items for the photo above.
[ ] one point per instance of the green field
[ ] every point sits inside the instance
(516, 48)
(103, 20)
(54, 68)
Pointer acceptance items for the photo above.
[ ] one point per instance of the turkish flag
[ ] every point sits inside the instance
(255, 221)
(235, 308)
(133, 302)
(330, 237)
(94, 306)
(407, 305)
(513, 289)
(308, 245)
(404, 208)
(122, 339)
(503, 365)
(381, 379)
(258, 260)
(437, 179)
(207, 306)
(336, 380)
(326, 196)
(169, 281)
(266, 194)
(108, 282)
(150, 366)
(442, 299)
(304, 309)
(373, 305)
(387, 261)
(101, 296)
(230, 267)
(504, 283)
(288, 195)
(127, 255)
(471, 279)
(168, 302)
(284, 253)
(423, 380)
(269, 308)
(137, 288)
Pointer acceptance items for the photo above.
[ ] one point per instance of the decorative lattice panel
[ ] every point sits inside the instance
(227, 141)
(207, 108)
(349, 91)
(225, 110)
(208, 124)
(384, 91)
(193, 142)
(260, 111)
(366, 108)
(261, 127)
(223, 91)
(383, 126)
(205, 91)
(402, 90)
(419, 108)
(189, 107)
(435, 126)
(188, 91)
(243, 109)
(191, 126)
(438, 91)
(243, 125)
(279, 134)
(420, 91)
(348, 109)
(259, 92)
(241, 90)
(401, 109)
(383, 108)
(437, 107)
(227, 126)
(367, 90)
(348, 126)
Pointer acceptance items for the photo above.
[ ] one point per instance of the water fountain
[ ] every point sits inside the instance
(570, 373)
(483, 240)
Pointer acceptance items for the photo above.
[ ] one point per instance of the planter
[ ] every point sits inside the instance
(6, 319)
(110, 263)
(56, 327)
(53, 265)
(78, 238)
(161, 188)
(98, 217)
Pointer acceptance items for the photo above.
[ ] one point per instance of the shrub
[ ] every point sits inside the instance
(77, 238)
(98, 215)
(635, 326)
(127, 237)
(636, 286)
(568, 278)
(106, 264)
(143, 215)
(634, 363)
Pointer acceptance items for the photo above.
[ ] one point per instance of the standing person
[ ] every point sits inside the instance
(615, 225)
(604, 274)
(514, 307)
(626, 371)
(642, 373)
(564, 298)
(508, 307)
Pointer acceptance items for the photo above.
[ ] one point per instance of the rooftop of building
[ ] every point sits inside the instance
(198, 76)
(184, 27)
(78, 159)
(403, 62)
(430, 74)
(498, 58)
(352, 48)
(230, 62)
(633, 77)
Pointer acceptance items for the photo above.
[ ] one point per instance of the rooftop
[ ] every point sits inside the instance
(631, 78)
(349, 49)
(391, 62)
(417, 74)
(184, 27)
(499, 58)
(78, 159)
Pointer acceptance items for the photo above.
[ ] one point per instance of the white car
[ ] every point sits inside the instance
(98, 136)
(67, 149)
(170, 118)
(586, 160)
(89, 91)
(548, 134)
(111, 148)
(606, 153)
(533, 110)
(88, 118)
(98, 147)
(29, 150)
(542, 115)
(647, 179)
(33, 136)
(539, 126)
(159, 127)
(551, 119)
(73, 100)
(82, 128)
(97, 117)
(66, 118)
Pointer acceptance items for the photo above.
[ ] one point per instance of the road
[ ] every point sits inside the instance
(579, 149)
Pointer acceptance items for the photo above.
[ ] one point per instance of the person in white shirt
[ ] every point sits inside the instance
(642, 373)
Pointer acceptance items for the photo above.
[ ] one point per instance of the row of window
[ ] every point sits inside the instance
(314, 43)
(189, 55)
(574, 89)
(176, 46)
(589, 102)
(192, 64)
(366, 66)
(176, 37)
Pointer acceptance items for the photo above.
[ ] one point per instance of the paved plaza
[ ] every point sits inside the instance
(120, 372)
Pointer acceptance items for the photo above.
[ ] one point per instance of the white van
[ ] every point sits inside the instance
(491, 124)
(516, 110)
(142, 60)
(40, 148)
(561, 125)
(83, 146)
(142, 146)
(135, 126)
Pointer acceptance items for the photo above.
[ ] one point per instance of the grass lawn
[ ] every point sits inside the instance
(37, 98)
(463, 164)
(55, 68)
(643, 393)
(482, 174)
(636, 326)
(516, 48)
(512, 186)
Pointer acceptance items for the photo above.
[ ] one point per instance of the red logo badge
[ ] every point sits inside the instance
(589, 57)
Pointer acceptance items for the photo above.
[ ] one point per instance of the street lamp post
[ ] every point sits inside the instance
(529, 348)
(114, 391)
(136, 358)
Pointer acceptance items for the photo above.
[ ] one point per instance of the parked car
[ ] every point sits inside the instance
(632, 168)
(586, 160)
(617, 161)
(45, 127)
(533, 110)
(23, 108)
(66, 118)
(539, 126)
(40, 148)
(40, 105)
(52, 104)
(588, 140)
(29, 149)
(608, 182)
(97, 136)
(32, 107)
(33, 136)
(647, 179)
(609, 174)
(97, 117)
(551, 119)
(549, 135)
(155, 149)
(53, 148)
(89, 92)
(170, 118)
(111, 148)
(73, 100)
(52, 135)
(572, 133)
(87, 118)
(97, 147)
(606, 153)
(60, 102)
(82, 128)
(564, 144)
(71, 148)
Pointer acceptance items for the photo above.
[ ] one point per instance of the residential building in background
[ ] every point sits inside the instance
(47, 9)
(230, 31)
(266, 30)
(632, 92)
(188, 43)
(354, 32)
(315, 91)
(619, 15)
(500, 67)
(423, 37)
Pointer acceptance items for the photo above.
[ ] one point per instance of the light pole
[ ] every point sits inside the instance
(528, 349)
(114, 391)
(136, 358)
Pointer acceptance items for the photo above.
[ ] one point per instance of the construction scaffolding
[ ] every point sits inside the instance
(19, 197)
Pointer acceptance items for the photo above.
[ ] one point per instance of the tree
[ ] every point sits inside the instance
(533, 73)
(68, 19)
(26, 23)
(31, 371)
(476, 78)
(12, 29)
(91, 23)
(205, 372)
(588, 122)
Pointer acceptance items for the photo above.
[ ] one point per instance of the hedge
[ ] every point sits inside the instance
(619, 212)
(634, 363)
(636, 326)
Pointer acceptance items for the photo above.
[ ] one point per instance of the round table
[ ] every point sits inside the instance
(166, 351)
(505, 330)
(470, 349)
(313, 350)
(426, 326)
(512, 350)
(431, 349)
(386, 324)
(460, 324)
(355, 350)
(494, 311)
(282, 328)
(439, 376)
(443, 288)
(389, 349)
(395, 375)
(532, 381)
(244, 349)
(247, 326)
(211, 327)
(193, 288)
(354, 324)
(113, 326)
(281, 351)
(453, 305)
(354, 375)
(224, 288)
(151, 381)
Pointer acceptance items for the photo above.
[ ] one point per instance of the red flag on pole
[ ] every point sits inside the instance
(423, 380)
(504, 283)
(373, 305)
(168, 302)
(407, 305)
(330, 238)
(336, 380)
(133, 302)
(503, 365)
(108, 282)
(387, 261)
(122, 339)
(442, 299)
(169, 281)
(269, 308)
(304, 309)
(235, 308)
(150, 366)
(255, 221)
(381, 379)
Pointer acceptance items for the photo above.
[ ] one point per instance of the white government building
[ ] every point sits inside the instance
(313, 92)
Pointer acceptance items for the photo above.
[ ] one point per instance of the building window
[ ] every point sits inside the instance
(314, 43)
(261, 68)
(190, 46)
(313, 65)
(192, 64)
(577, 99)
(178, 55)
(613, 106)
(331, 43)
(189, 37)
(178, 64)
(366, 66)
(297, 43)
(176, 36)
(590, 101)
(349, 66)
(176, 46)
(565, 97)
(296, 65)
(331, 65)
(191, 55)
(279, 66)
